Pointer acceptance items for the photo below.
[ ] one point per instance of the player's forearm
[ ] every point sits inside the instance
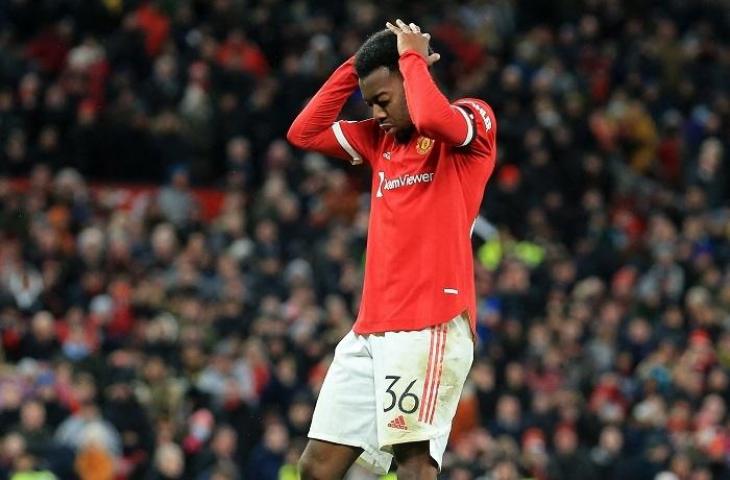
(323, 109)
(430, 110)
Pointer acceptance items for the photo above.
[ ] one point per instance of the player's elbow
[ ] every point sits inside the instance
(294, 137)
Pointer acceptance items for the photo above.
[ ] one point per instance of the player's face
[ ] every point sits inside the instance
(383, 91)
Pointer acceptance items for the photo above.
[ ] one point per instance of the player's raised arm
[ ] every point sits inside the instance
(430, 110)
(315, 127)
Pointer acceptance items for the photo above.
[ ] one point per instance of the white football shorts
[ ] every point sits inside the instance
(395, 387)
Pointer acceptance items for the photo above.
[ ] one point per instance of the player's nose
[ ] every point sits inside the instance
(379, 113)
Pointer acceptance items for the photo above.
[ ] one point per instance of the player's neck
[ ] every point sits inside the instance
(404, 136)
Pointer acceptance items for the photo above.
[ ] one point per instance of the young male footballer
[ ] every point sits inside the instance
(396, 378)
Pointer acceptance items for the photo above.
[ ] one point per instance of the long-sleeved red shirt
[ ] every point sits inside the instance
(426, 195)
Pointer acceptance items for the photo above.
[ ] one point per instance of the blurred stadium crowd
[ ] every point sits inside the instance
(153, 343)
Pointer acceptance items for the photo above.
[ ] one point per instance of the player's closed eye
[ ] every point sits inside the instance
(380, 103)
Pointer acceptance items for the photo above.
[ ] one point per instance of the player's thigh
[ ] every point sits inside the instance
(326, 460)
(419, 377)
(345, 411)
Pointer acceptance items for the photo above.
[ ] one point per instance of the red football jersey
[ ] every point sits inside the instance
(425, 198)
(426, 195)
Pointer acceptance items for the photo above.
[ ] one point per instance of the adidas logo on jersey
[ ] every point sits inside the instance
(398, 422)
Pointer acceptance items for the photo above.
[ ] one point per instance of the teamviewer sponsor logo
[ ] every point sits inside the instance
(406, 180)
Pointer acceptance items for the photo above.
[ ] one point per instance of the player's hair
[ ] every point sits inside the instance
(380, 50)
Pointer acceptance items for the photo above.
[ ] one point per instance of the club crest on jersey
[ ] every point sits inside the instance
(423, 145)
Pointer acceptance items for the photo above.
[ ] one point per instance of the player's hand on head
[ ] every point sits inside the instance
(410, 37)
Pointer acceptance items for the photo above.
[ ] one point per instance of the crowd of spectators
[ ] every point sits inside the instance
(155, 343)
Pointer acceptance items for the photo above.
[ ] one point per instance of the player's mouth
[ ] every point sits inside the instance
(387, 126)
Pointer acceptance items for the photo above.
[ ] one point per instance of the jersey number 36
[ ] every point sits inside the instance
(407, 402)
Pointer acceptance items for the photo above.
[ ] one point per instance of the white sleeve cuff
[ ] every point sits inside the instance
(342, 140)
(469, 127)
